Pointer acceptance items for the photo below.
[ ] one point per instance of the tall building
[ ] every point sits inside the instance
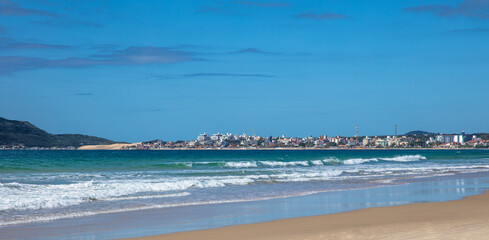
(203, 137)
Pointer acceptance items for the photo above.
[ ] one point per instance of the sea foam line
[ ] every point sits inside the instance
(157, 206)
(305, 163)
(183, 194)
(13, 196)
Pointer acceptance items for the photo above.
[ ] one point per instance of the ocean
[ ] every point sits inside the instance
(46, 186)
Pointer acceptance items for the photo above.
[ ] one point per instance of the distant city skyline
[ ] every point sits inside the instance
(133, 71)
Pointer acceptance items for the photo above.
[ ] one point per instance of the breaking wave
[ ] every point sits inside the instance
(311, 163)
(406, 158)
(12, 195)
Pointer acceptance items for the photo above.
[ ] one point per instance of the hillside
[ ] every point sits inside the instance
(14, 133)
(419, 132)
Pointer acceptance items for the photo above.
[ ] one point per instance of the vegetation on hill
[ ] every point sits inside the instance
(418, 133)
(483, 136)
(22, 133)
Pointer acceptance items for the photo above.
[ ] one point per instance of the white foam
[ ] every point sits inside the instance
(359, 160)
(257, 164)
(306, 176)
(284, 164)
(48, 196)
(134, 185)
(331, 161)
(183, 194)
(13, 195)
(317, 162)
(241, 164)
(405, 158)
(51, 217)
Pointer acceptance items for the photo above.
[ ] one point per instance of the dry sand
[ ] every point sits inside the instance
(115, 146)
(467, 218)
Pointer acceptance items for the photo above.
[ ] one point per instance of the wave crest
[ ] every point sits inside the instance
(359, 160)
(405, 158)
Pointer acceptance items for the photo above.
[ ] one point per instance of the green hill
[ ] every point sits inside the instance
(419, 133)
(14, 133)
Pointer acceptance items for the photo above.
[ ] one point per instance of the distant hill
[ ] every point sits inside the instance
(483, 136)
(24, 133)
(419, 133)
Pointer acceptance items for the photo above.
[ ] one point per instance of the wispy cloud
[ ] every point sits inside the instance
(469, 30)
(61, 14)
(147, 109)
(323, 16)
(236, 8)
(208, 9)
(84, 94)
(129, 56)
(8, 8)
(11, 63)
(226, 75)
(146, 55)
(466, 8)
(68, 23)
(252, 50)
(7, 43)
(104, 47)
(262, 4)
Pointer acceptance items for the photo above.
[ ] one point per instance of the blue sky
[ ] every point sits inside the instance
(141, 70)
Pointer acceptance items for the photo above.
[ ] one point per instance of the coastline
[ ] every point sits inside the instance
(430, 177)
(182, 219)
(271, 149)
(458, 219)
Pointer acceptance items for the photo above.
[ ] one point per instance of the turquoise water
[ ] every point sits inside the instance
(40, 186)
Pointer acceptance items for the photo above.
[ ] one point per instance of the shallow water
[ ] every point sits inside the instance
(186, 218)
(39, 186)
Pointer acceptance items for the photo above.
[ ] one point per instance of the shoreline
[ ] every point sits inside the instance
(99, 148)
(457, 219)
(250, 149)
(430, 176)
(198, 218)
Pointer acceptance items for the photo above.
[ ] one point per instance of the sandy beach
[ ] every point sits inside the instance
(467, 218)
(115, 146)
(245, 194)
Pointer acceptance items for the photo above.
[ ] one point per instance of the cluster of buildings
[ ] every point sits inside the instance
(244, 141)
(453, 140)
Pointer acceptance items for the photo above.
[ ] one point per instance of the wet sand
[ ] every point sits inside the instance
(467, 218)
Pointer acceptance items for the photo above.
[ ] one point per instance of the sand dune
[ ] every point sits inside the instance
(115, 146)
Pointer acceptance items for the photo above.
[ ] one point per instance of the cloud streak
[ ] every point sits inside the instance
(67, 23)
(129, 56)
(8, 8)
(233, 7)
(251, 50)
(469, 30)
(84, 94)
(262, 4)
(6, 43)
(212, 10)
(149, 109)
(467, 8)
(226, 75)
(320, 17)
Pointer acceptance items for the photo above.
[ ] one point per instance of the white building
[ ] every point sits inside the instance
(203, 137)
(216, 137)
